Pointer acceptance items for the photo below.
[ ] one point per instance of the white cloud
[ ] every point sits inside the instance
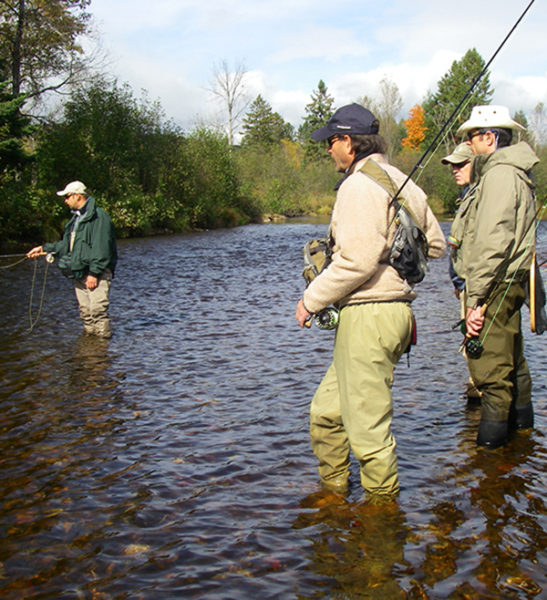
(328, 43)
(522, 93)
(169, 48)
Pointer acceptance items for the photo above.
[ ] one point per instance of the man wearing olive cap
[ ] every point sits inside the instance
(495, 243)
(352, 407)
(86, 253)
(460, 161)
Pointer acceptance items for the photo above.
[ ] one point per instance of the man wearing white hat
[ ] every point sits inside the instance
(86, 253)
(494, 249)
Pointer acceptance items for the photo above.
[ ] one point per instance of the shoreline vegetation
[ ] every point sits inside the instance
(226, 218)
(153, 178)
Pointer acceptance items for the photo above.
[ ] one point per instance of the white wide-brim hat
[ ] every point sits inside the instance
(489, 117)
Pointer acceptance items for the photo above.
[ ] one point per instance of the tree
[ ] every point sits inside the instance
(115, 144)
(527, 135)
(14, 127)
(263, 126)
(386, 106)
(318, 112)
(229, 87)
(415, 127)
(39, 43)
(450, 90)
(538, 125)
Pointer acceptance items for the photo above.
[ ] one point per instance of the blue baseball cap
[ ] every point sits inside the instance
(352, 119)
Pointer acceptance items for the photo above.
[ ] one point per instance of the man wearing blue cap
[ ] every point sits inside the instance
(352, 407)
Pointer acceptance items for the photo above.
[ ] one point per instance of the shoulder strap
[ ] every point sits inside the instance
(373, 170)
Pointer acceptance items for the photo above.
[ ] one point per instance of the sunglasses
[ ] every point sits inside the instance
(331, 140)
(473, 134)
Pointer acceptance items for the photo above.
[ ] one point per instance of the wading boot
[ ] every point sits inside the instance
(338, 485)
(521, 417)
(102, 329)
(492, 434)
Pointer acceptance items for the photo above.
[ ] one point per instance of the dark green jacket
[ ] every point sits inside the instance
(94, 247)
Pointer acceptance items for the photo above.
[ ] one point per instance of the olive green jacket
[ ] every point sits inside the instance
(495, 223)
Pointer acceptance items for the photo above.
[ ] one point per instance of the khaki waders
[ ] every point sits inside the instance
(94, 305)
(352, 407)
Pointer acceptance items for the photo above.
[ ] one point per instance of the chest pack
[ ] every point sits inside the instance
(408, 253)
(317, 256)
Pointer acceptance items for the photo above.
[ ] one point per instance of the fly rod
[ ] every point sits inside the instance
(456, 110)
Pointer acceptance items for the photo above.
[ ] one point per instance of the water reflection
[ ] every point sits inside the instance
(359, 547)
(491, 533)
(174, 461)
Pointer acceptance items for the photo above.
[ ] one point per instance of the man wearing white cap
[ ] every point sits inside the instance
(86, 253)
(460, 163)
(495, 246)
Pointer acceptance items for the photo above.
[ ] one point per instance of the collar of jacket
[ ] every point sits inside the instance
(519, 155)
(359, 156)
(88, 209)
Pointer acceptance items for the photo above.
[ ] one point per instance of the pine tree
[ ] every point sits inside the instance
(450, 90)
(318, 112)
(263, 126)
(14, 127)
(538, 125)
(527, 135)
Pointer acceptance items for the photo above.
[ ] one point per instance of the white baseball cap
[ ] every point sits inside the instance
(74, 187)
(489, 117)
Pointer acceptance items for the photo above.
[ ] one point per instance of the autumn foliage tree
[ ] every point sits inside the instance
(415, 127)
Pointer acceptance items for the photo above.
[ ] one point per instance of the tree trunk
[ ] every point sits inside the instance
(16, 50)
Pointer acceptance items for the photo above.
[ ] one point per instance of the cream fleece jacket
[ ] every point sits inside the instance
(361, 236)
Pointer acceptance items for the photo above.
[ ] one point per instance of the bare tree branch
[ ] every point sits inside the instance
(229, 87)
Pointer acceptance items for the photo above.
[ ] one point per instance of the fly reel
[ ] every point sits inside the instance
(327, 318)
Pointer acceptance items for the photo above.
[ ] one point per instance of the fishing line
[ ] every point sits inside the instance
(13, 264)
(460, 104)
(12, 256)
(34, 321)
(440, 141)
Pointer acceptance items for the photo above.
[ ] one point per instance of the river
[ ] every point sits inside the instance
(174, 461)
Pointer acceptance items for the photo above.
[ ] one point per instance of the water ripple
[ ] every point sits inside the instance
(174, 461)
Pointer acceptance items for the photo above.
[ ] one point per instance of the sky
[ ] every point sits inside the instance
(170, 49)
